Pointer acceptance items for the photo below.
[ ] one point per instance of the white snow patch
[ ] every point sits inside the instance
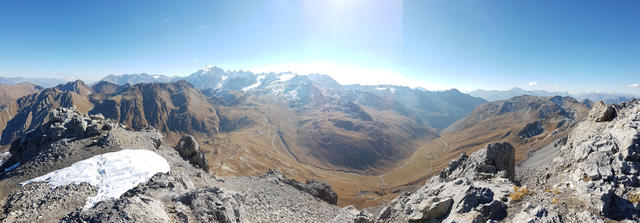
(393, 90)
(156, 76)
(292, 94)
(112, 174)
(207, 68)
(257, 84)
(285, 77)
(224, 77)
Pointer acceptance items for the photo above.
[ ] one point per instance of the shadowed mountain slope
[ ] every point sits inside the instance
(175, 108)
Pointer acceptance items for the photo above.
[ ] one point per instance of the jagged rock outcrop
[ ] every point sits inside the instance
(33, 110)
(316, 188)
(486, 162)
(600, 163)
(602, 112)
(63, 123)
(472, 188)
(210, 205)
(595, 177)
(189, 149)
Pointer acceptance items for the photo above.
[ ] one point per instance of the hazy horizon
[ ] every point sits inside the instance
(573, 46)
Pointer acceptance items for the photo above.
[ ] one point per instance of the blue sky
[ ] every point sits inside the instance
(575, 46)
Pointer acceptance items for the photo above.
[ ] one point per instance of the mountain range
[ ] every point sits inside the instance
(342, 133)
(497, 95)
(83, 167)
(44, 82)
(370, 143)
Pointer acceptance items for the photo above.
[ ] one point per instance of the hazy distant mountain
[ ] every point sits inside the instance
(43, 82)
(609, 98)
(138, 78)
(498, 95)
(437, 108)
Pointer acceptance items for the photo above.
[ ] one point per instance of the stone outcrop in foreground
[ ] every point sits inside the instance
(189, 149)
(186, 193)
(472, 188)
(599, 166)
(595, 178)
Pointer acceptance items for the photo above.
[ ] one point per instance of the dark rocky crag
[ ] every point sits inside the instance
(189, 149)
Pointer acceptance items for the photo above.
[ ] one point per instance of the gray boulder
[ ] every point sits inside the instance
(322, 190)
(362, 217)
(484, 163)
(189, 150)
(210, 204)
(318, 189)
(602, 112)
(432, 209)
(536, 214)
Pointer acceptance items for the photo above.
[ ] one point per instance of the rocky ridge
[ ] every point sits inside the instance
(472, 188)
(595, 178)
(598, 169)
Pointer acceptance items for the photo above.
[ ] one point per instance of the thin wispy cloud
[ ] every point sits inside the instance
(634, 85)
(533, 83)
(165, 20)
(203, 27)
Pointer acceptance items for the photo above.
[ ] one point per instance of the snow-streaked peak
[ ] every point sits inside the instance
(207, 68)
(112, 174)
(285, 77)
(393, 90)
(255, 85)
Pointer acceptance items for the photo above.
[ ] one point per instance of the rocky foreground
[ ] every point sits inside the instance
(185, 193)
(595, 178)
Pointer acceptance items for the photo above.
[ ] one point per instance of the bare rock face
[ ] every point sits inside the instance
(601, 162)
(321, 190)
(316, 188)
(167, 198)
(536, 214)
(470, 189)
(189, 149)
(602, 112)
(64, 123)
(485, 162)
(210, 204)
